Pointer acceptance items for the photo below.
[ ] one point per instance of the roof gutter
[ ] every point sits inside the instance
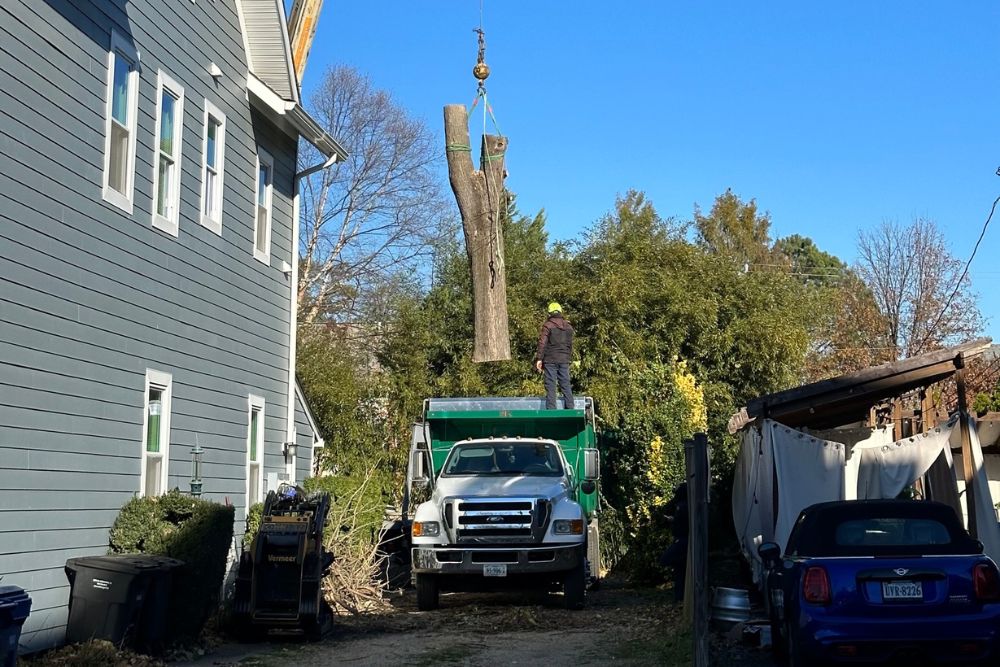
(297, 118)
(311, 131)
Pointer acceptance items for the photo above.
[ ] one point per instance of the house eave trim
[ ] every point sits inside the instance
(297, 119)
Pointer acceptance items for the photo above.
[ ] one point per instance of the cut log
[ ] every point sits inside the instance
(481, 199)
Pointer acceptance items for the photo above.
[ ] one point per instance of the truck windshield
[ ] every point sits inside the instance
(539, 459)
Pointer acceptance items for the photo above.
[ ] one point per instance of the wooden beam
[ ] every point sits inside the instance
(968, 468)
(897, 419)
(696, 593)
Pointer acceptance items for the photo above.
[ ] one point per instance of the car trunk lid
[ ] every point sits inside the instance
(901, 586)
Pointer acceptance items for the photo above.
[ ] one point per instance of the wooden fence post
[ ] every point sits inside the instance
(696, 465)
(968, 465)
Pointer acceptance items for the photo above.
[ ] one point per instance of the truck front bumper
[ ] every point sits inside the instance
(519, 560)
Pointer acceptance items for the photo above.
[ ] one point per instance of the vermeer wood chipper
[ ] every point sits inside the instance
(279, 582)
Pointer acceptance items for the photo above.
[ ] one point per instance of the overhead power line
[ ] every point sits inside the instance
(965, 271)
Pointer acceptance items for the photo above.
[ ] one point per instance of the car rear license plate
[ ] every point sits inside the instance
(495, 570)
(902, 590)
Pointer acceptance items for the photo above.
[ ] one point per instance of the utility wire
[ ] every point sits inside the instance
(965, 272)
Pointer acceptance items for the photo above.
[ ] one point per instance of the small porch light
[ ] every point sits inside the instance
(290, 449)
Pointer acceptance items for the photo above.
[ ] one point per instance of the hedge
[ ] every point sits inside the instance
(195, 531)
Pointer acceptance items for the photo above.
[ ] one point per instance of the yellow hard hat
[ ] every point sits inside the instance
(554, 307)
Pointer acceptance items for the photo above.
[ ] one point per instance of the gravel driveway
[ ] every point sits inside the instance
(622, 625)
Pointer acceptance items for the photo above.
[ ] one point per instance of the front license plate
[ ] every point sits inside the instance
(902, 590)
(495, 570)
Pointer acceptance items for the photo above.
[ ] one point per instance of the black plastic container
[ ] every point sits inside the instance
(122, 598)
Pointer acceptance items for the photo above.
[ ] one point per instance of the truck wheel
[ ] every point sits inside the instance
(575, 587)
(427, 592)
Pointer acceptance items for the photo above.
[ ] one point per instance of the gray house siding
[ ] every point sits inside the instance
(306, 439)
(92, 297)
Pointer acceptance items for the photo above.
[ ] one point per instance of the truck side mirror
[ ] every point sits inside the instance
(418, 467)
(591, 465)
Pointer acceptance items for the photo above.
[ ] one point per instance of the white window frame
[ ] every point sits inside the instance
(163, 382)
(169, 223)
(121, 47)
(213, 112)
(255, 404)
(263, 158)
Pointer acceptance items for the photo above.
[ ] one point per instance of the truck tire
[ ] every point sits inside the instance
(575, 587)
(427, 592)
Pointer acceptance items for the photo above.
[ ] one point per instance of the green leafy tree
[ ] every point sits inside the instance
(808, 263)
(735, 229)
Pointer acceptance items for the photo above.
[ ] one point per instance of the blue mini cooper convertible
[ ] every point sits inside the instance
(873, 581)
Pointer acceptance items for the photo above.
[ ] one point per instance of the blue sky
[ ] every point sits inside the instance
(834, 116)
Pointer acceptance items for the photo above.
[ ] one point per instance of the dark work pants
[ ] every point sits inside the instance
(557, 373)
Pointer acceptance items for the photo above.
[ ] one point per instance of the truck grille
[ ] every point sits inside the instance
(484, 519)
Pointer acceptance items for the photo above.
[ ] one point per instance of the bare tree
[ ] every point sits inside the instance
(374, 218)
(918, 287)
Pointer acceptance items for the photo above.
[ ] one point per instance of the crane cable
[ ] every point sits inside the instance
(482, 71)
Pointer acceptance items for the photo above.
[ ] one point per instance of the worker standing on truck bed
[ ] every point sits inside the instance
(555, 351)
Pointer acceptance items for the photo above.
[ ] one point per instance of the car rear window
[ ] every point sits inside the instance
(891, 532)
(876, 528)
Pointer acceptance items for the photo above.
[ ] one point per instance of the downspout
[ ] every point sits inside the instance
(293, 310)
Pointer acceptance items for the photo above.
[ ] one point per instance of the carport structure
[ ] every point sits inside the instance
(867, 434)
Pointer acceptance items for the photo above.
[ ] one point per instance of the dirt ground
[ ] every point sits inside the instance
(626, 626)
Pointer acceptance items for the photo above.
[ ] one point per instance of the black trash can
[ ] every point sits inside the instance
(122, 598)
(14, 607)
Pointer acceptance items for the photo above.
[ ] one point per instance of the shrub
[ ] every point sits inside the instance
(195, 531)
(254, 516)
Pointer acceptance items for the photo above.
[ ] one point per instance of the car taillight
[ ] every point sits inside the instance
(816, 586)
(986, 582)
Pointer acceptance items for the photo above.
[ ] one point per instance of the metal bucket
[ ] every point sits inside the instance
(730, 606)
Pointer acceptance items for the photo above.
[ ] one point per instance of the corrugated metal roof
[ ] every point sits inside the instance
(268, 52)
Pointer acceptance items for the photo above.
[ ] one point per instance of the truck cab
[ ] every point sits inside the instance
(513, 497)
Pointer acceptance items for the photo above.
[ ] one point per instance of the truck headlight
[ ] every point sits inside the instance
(426, 529)
(567, 526)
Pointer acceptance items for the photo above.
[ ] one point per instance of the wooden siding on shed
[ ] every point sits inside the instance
(93, 297)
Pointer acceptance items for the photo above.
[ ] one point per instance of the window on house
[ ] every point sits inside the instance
(262, 219)
(156, 434)
(167, 167)
(213, 168)
(255, 451)
(120, 126)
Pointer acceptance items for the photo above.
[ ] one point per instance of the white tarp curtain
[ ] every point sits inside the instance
(809, 470)
(883, 469)
(753, 521)
(988, 530)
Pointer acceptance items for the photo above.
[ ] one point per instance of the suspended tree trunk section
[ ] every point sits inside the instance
(481, 199)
